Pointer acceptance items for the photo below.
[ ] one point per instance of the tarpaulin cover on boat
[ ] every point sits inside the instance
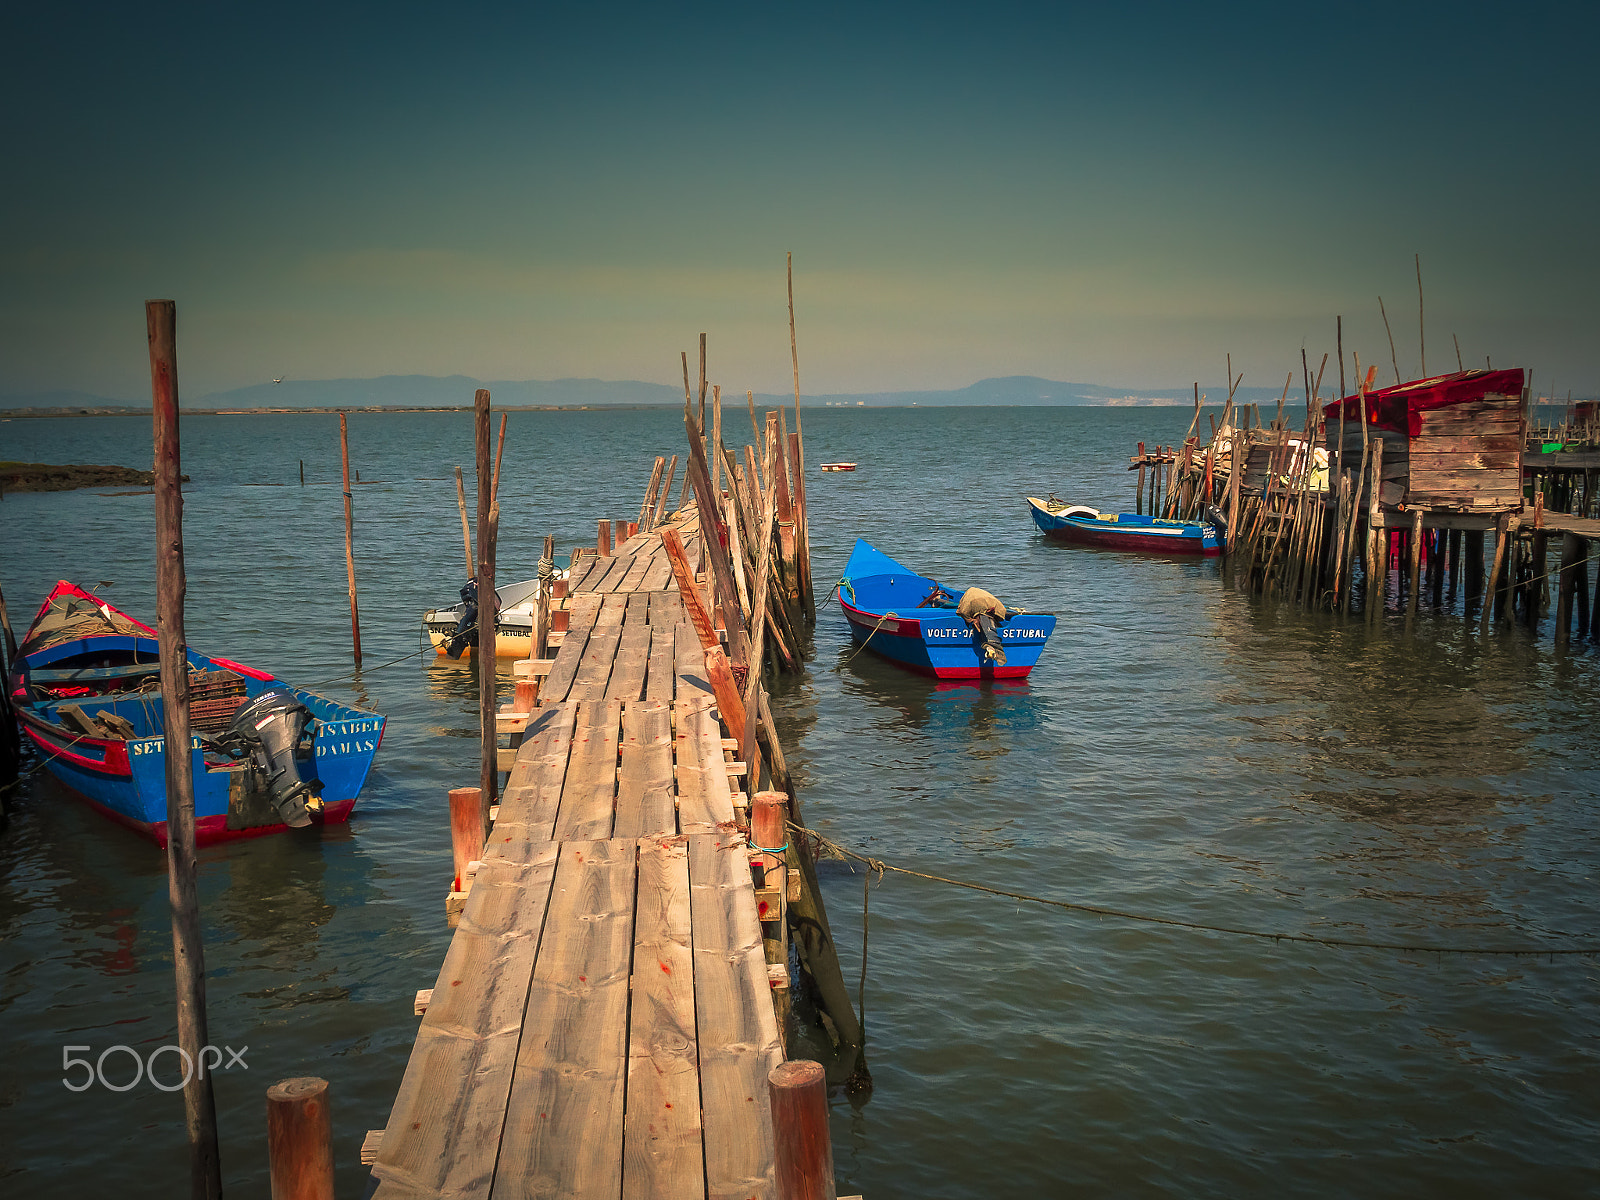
(1400, 408)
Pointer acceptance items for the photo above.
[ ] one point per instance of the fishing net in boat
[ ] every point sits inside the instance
(68, 618)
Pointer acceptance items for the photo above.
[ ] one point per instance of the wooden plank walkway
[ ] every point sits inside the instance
(603, 1022)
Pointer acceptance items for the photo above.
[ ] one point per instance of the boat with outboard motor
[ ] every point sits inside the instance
(453, 631)
(86, 688)
(912, 620)
(1127, 531)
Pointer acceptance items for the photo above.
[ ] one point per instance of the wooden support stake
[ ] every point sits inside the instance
(666, 491)
(604, 538)
(466, 531)
(300, 1140)
(1491, 605)
(647, 510)
(1571, 552)
(469, 829)
(488, 609)
(1377, 555)
(188, 947)
(349, 551)
(499, 451)
(1415, 584)
(802, 1145)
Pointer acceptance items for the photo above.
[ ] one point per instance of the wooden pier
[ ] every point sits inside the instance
(610, 1016)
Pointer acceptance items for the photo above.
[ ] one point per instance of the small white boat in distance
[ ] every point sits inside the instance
(838, 466)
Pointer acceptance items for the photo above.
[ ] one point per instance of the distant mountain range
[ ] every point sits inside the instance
(454, 391)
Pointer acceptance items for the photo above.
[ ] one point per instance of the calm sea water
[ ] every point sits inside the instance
(1183, 751)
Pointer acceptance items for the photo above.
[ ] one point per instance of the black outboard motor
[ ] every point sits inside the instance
(269, 729)
(989, 640)
(1217, 521)
(466, 632)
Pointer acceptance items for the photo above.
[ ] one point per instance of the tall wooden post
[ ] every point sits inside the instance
(469, 829)
(300, 1140)
(1414, 585)
(803, 1148)
(489, 768)
(188, 950)
(349, 535)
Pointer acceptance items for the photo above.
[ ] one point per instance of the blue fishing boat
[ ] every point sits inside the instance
(1125, 531)
(914, 621)
(266, 757)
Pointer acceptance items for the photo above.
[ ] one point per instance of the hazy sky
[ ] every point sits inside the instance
(1109, 193)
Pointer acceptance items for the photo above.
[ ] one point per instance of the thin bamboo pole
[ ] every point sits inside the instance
(349, 538)
(466, 530)
(499, 451)
(188, 946)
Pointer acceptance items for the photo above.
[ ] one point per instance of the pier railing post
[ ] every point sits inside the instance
(300, 1139)
(804, 1148)
(468, 829)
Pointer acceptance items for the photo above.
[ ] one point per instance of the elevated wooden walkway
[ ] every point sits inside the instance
(603, 1023)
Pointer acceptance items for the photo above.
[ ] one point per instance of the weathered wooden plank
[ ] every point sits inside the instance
(662, 671)
(588, 799)
(532, 798)
(633, 657)
(578, 576)
(705, 801)
(693, 682)
(564, 1116)
(662, 1155)
(631, 581)
(646, 803)
(1506, 460)
(599, 657)
(612, 609)
(1506, 442)
(736, 1030)
(445, 1127)
(659, 574)
(585, 608)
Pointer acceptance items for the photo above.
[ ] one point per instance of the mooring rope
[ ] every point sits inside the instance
(875, 629)
(880, 866)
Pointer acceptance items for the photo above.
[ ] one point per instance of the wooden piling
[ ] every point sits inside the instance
(188, 948)
(1414, 584)
(302, 472)
(1571, 552)
(1491, 607)
(804, 1149)
(1472, 568)
(647, 510)
(349, 532)
(300, 1140)
(1533, 591)
(666, 491)
(469, 829)
(488, 609)
(603, 538)
(1377, 557)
